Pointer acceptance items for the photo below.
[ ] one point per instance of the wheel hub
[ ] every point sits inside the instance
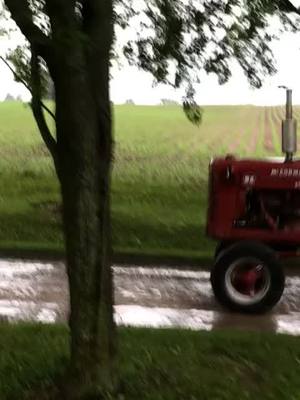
(247, 281)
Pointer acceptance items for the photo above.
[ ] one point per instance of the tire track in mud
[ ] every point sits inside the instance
(296, 111)
(144, 296)
(227, 135)
(296, 114)
(203, 140)
(276, 118)
(236, 143)
(255, 132)
(220, 133)
(268, 134)
(280, 113)
(248, 138)
(211, 137)
(237, 140)
(276, 128)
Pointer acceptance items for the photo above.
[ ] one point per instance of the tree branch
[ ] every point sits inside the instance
(37, 109)
(22, 15)
(61, 14)
(19, 79)
(97, 15)
(287, 6)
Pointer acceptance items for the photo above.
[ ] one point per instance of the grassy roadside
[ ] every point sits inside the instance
(159, 181)
(158, 257)
(160, 364)
(159, 187)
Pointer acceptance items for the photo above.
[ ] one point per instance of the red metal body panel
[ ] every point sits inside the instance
(230, 181)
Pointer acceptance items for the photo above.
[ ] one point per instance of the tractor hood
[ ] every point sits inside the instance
(269, 173)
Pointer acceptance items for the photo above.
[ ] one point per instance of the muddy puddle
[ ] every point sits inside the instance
(152, 297)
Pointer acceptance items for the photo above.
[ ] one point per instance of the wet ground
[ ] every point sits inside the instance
(143, 296)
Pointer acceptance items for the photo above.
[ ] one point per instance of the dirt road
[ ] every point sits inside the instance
(143, 297)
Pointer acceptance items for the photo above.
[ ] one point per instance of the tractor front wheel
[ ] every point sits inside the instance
(248, 277)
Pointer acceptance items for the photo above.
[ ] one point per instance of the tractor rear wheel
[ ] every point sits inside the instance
(248, 277)
(221, 247)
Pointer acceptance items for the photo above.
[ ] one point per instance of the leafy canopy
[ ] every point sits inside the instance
(175, 40)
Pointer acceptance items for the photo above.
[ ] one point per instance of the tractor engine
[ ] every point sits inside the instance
(253, 199)
(273, 210)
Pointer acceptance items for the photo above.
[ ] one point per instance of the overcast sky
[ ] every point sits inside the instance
(129, 83)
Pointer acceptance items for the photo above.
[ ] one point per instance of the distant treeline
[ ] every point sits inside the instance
(169, 102)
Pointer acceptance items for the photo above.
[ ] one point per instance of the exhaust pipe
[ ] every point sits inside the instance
(289, 128)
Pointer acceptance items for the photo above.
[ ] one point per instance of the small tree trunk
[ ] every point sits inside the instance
(84, 159)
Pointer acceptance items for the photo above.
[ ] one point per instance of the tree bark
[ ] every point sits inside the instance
(77, 54)
(84, 152)
(80, 71)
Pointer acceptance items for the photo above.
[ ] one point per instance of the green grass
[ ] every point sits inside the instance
(159, 364)
(159, 178)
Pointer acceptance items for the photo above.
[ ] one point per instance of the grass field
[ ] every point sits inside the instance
(159, 178)
(159, 364)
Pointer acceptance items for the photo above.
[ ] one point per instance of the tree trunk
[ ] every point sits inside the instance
(84, 143)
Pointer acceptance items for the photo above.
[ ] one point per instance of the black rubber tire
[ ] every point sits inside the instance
(220, 248)
(268, 258)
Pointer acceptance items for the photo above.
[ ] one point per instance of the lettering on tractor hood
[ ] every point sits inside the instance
(285, 172)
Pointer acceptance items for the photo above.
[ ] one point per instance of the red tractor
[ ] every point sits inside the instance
(254, 214)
